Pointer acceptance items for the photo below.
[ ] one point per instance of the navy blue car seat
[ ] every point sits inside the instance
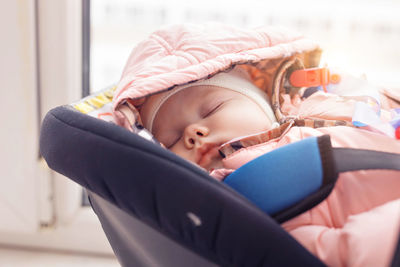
(158, 209)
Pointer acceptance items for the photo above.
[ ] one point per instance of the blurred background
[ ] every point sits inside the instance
(55, 52)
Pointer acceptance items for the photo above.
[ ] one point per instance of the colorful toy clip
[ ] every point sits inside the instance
(313, 77)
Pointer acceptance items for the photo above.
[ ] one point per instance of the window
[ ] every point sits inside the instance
(358, 36)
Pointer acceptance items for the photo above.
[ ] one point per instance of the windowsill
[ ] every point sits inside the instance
(84, 234)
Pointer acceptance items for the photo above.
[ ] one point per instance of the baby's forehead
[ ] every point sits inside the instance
(202, 91)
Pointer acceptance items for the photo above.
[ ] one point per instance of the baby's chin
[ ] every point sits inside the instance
(215, 163)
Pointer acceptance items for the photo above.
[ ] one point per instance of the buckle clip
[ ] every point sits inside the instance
(313, 77)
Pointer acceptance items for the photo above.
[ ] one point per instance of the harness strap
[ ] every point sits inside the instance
(348, 159)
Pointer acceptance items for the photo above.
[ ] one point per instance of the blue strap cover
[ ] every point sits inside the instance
(280, 178)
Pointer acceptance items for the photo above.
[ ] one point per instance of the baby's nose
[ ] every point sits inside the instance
(193, 135)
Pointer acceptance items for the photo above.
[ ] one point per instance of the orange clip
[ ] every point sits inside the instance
(397, 133)
(313, 77)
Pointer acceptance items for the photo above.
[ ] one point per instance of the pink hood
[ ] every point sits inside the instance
(179, 54)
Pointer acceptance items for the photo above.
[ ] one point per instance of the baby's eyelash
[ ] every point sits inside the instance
(213, 110)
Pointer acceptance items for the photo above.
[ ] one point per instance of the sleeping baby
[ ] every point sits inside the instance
(220, 96)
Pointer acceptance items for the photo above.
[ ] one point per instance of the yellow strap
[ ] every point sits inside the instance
(83, 107)
(98, 101)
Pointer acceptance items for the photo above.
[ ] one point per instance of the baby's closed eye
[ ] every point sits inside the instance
(211, 108)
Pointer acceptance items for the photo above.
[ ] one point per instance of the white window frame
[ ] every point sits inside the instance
(19, 135)
(63, 223)
(61, 69)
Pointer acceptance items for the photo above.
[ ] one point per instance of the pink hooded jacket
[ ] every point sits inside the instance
(359, 222)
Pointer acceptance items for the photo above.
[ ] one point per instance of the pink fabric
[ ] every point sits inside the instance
(358, 223)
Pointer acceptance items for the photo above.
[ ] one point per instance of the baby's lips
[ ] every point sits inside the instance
(207, 154)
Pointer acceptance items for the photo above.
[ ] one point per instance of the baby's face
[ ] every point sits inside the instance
(194, 122)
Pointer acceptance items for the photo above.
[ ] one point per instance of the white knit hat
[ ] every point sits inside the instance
(236, 80)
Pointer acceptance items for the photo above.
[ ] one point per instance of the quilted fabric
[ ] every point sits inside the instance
(179, 54)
